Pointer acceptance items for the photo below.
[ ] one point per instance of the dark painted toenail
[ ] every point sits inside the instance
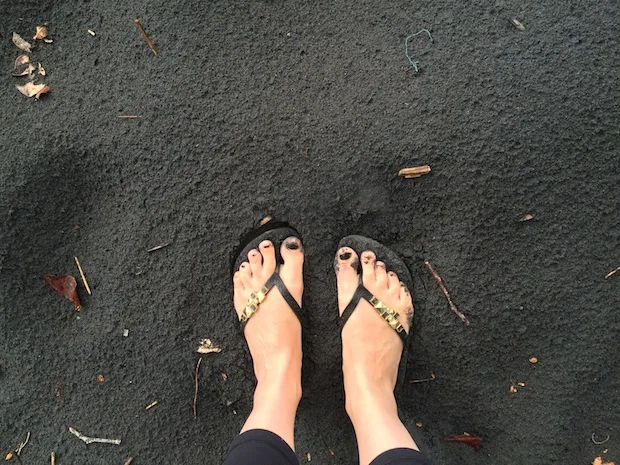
(345, 255)
(292, 244)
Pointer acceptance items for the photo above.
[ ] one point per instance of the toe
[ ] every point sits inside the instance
(239, 288)
(291, 270)
(381, 274)
(393, 282)
(346, 264)
(245, 274)
(368, 267)
(256, 262)
(268, 252)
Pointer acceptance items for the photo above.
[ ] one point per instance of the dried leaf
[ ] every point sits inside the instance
(21, 60)
(30, 89)
(599, 461)
(206, 347)
(41, 33)
(66, 286)
(518, 24)
(9, 456)
(100, 379)
(41, 70)
(466, 438)
(45, 90)
(21, 43)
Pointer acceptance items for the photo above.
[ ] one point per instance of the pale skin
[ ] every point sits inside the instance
(371, 349)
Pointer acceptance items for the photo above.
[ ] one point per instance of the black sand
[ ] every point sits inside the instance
(308, 111)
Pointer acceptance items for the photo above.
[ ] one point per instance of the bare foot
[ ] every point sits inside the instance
(371, 353)
(371, 348)
(273, 333)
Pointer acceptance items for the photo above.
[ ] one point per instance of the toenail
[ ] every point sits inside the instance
(292, 244)
(345, 255)
(243, 265)
(391, 273)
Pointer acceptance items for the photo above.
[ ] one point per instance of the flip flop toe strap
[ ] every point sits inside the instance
(256, 298)
(389, 315)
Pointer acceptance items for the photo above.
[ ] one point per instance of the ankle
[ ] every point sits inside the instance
(280, 381)
(366, 396)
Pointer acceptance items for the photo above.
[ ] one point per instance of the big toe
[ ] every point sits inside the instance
(291, 271)
(346, 264)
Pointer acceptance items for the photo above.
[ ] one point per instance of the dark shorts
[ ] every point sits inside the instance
(262, 447)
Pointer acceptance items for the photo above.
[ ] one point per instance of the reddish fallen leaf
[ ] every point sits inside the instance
(470, 439)
(66, 286)
(45, 90)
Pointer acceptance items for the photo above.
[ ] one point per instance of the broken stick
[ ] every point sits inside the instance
(77, 262)
(89, 440)
(414, 172)
(149, 42)
(196, 387)
(423, 380)
(611, 273)
(430, 268)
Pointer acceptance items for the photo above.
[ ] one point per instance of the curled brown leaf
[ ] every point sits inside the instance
(470, 439)
(30, 89)
(45, 90)
(41, 33)
(21, 43)
(66, 286)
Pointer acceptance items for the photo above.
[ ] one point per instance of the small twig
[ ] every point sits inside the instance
(149, 42)
(128, 461)
(77, 262)
(423, 380)
(159, 247)
(128, 116)
(611, 273)
(414, 63)
(152, 404)
(598, 443)
(22, 445)
(89, 440)
(196, 387)
(414, 172)
(53, 458)
(430, 268)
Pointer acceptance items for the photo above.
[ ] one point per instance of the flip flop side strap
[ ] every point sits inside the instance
(389, 315)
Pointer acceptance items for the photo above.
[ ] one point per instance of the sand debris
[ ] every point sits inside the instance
(598, 443)
(90, 440)
(77, 262)
(196, 387)
(414, 172)
(92, 33)
(151, 405)
(439, 281)
(149, 42)
(21, 43)
(611, 273)
(205, 346)
(423, 380)
(518, 24)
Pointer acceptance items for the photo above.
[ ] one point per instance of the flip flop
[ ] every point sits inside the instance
(276, 232)
(392, 263)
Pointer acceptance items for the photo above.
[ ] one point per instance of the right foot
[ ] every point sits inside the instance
(371, 349)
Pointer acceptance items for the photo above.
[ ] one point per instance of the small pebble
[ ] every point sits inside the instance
(125, 333)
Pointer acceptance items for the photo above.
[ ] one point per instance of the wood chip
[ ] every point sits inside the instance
(21, 43)
(513, 388)
(41, 33)
(206, 347)
(92, 33)
(414, 172)
(418, 424)
(152, 404)
(533, 360)
(53, 458)
(611, 273)
(518, 24)
(527, 217)
(128, 461)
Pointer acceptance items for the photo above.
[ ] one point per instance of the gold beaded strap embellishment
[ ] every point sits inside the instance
(253, 302)
(389, 315)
